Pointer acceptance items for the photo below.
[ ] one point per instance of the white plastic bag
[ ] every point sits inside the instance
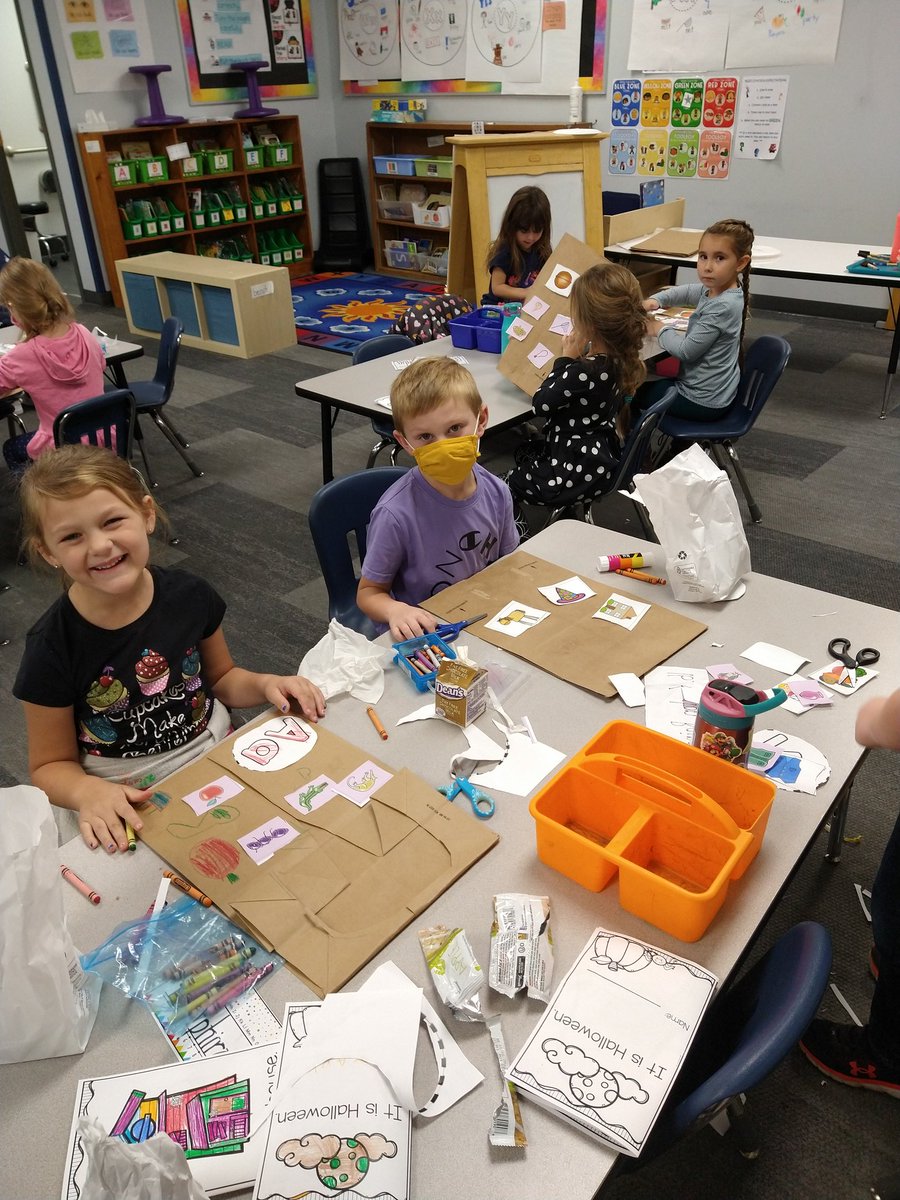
(696, 517)
(153, 1170)
(47, 1003)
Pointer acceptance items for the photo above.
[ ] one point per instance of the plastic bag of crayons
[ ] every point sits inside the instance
(183, 963)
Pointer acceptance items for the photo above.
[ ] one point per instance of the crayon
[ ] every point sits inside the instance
(430, 653)
(239, 988)
(425, 661)
(130, 837)
(641, 575)
(416, 665)
(373, 717)
(215, 971)
(216, 953)
(220, 979)
(189, 888)
(627, 562)
(69, 875)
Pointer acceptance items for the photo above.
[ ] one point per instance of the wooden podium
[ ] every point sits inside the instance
(488, 168)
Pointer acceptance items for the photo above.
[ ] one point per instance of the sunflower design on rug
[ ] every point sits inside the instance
(366, 310)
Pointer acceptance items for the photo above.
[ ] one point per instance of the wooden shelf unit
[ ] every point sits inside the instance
(425, 139)
(97, 145)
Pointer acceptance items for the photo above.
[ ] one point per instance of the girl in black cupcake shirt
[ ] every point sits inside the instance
(127, 677)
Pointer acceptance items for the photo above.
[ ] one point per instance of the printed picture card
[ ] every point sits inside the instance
(312, 795)
(535, 307)
(569, 591)
(263, 841)
(359, 785)
(273, 745)
(729, 671)
(540, 355)
(213, 794)
(803, 694)
(515, 618)
(620, 610)
(561, 279)
(519, 329)
(844, 680)
(561, 324)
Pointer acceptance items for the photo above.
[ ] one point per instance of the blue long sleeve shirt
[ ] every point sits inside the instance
(709, 350)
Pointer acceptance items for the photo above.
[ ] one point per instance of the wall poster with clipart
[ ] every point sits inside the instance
(217, 34)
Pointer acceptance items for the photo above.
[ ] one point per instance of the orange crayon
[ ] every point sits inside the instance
(373, 717)
(189, 888)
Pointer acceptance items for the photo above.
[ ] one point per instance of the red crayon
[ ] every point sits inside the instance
(69, 875)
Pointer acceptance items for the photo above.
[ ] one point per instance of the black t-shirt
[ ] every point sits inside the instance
(135, 691)
(531, 268)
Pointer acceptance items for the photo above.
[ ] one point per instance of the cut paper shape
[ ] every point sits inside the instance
(525, 764)
(803, 694)
(460, 358)
(843, 679)
(729, 671)
(400, 363)
(535, 307)
(213, 794)
(630, 688)
(263, 841)
(358, 786)
(519, 329)
(515, 618)
(776, 657)
(384, 401)
(312, 795)
(482, 749)
(561, 280)
(540, 355)
(569, 591)
(672, 697)
(622, 610)
(274, 745)
(561, 324)
(801, 767)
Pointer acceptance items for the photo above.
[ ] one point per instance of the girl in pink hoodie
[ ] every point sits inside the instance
(58, 362)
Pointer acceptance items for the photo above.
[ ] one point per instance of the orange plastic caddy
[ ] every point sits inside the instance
(676, 824)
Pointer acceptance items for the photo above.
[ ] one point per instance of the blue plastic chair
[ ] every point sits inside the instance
(339, 509)
(108, 420)
(764, 365)
(388, 343)
(151, 395)
(749, 1029)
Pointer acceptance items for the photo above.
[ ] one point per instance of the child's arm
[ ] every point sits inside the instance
(704, 330)
(405, 620)
(878, 722)
(238, 688)
(502, 290)
(55, 767)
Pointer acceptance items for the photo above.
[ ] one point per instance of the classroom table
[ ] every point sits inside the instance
(116, 352)
(797, 258)
(559, 1161)
(358, 388)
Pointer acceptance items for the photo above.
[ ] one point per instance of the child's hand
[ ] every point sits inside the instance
(654, 327)
(280, 690)
(573, 344)
(408, 622)
(651, 305)
(105, 809)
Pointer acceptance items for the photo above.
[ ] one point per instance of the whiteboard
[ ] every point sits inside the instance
(564, 190)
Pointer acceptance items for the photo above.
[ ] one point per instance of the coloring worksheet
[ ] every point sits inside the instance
(504, 41)
(370, 39)
(433, 39)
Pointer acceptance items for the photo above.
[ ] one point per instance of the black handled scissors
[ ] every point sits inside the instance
(839, 648)
(451, 630)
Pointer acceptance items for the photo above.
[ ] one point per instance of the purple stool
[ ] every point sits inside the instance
(158, 114)
(255, 107)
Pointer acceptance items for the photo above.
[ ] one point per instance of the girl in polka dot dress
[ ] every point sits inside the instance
(596, 374)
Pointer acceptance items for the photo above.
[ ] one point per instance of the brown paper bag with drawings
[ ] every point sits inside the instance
(569, 643)
(354, 878)
(573, 256)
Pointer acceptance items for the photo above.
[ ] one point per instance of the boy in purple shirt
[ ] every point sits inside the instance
(445, 519)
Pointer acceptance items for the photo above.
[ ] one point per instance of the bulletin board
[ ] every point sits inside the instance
(278, 32)
(586, 22)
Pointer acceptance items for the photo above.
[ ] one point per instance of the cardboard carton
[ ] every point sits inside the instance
(460, 691)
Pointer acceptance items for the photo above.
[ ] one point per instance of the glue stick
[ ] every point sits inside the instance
(895, 245)
(576, 96)
(621, 562)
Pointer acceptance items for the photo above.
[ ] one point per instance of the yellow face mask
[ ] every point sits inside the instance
(448, 461)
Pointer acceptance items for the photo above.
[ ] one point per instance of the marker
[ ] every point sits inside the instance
(627, 561)
(69, 875)
(130, 837)
(641, 575)
(189, 888)
(373, 717)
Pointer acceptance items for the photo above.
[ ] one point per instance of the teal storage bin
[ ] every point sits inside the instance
(143, 300)
(182, 305)
(218, 306)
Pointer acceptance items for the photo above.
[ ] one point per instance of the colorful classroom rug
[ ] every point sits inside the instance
(338, 310)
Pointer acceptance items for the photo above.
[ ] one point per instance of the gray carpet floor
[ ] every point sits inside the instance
(825, 473)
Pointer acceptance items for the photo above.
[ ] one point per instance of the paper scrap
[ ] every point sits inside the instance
(312, 795)
(622, 610)
(843, 679)
(672, 697)
(399, 363)
(212, 795)
(863, 894)
(535, 307)
(246, 1021)
(630, 688)
(803, 694)
(561, 324)
(776, 657)
(561, 279)
(384, 401)
(728, 671)
(540, 355)
(358, 786)
(262, 842)
(526, 763)
(515, 618)
(801, 767)
(459, 358)
(567, 591)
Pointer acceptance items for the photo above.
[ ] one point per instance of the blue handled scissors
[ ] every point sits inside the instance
(451, 630)
(839, 648)
(482, 804)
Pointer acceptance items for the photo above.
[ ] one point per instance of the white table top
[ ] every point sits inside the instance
(797, 258)
(34, 1130)
(116, 350)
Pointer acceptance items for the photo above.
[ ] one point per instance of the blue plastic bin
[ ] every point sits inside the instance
(422, 682)
(478, 330)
